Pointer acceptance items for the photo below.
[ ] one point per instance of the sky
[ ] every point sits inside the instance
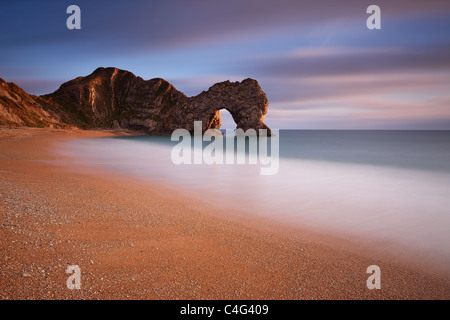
(316, 60)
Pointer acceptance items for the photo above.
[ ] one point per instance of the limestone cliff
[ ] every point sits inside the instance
(111, 97)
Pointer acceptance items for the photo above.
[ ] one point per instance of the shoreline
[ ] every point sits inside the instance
(413, 254)
(138, 240)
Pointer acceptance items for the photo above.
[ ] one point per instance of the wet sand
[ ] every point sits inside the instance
(136, 240)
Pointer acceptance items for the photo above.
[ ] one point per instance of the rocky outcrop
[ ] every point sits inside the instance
(18, 108)
(110, 97)
(245, 101)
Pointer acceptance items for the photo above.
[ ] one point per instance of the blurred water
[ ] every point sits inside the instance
(390, 186)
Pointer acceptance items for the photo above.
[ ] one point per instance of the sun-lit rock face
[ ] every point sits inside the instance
(110, 97)
(110, 94)
(18, 108)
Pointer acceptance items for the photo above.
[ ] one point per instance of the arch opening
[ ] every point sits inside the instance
(227, 120)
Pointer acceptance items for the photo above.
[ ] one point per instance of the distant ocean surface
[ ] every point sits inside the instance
(390, 187)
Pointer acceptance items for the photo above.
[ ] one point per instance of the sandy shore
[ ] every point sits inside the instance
(135, 240)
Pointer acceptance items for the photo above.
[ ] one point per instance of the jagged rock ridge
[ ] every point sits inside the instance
(111, 97)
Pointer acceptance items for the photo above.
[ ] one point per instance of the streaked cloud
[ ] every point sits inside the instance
(351, 61)
(316, 60)
(293, 90)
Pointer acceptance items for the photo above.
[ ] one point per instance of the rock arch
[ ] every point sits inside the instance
(246, 102)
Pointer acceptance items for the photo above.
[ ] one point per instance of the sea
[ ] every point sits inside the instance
(386, 187)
